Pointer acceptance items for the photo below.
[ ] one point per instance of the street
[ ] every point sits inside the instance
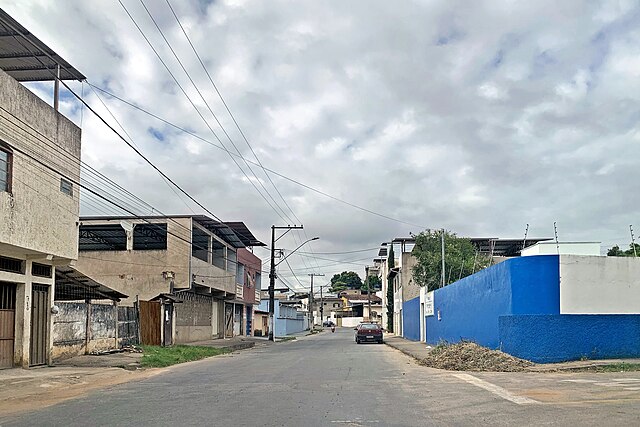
(328, 380)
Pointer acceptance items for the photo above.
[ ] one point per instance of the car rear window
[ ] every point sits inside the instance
(369, 326)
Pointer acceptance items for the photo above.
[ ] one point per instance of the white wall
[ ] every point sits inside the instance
(351, 322)
(599, 285)
(566, 248)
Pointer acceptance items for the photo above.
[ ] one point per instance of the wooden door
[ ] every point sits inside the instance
(150, 321)
(228, 320)
(7, 323)
(39, 325)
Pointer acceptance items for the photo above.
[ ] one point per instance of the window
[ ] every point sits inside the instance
(11, 265)
(66, 187)
(105, 237)
(336, 305)
(218, 254)
(231, 260)
(150, 237)
(40, 270)
(5, 169)
(240, 274)
(258, 281)
(200, 244)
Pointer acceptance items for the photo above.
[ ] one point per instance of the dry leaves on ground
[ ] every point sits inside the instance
(469, 356)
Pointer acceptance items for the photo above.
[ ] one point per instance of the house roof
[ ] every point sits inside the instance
(235, 233)
(503, 247)
(362, 298)
(25, 58)
(71, 285)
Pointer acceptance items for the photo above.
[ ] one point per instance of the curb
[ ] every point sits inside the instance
(407, 352)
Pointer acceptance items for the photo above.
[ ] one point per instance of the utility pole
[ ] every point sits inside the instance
(442, 251)
(633, 241)
(321, 308)
(272, 271)
(312, 323)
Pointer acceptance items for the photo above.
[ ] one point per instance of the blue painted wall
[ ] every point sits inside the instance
(470, 308)
(286, 321)
(411, 319)
(557, 338)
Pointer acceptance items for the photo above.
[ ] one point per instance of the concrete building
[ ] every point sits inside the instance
(39, 200)
(192, 259)
(545, 308)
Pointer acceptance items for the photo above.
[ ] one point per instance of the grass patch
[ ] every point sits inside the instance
(615, 367)
(160, 357)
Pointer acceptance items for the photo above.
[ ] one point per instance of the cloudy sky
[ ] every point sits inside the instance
(480, 117)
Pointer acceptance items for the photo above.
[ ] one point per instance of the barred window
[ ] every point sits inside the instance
(5, 169)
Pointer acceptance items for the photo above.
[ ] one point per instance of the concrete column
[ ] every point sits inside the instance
(23, 319)
(52, 297)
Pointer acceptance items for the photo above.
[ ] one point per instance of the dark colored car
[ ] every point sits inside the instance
(328, 323)
(368, 332)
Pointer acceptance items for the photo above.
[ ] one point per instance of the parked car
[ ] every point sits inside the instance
(370, 332)
(328, 323)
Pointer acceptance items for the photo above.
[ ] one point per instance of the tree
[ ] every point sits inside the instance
(391, 263)
(460, 256)
(345, 280)
(616, 251)
(372, 283)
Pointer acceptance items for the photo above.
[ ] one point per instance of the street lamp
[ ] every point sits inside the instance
(272, 272)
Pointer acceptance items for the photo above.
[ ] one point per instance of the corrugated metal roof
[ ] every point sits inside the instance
(25, 58)
(72, 285)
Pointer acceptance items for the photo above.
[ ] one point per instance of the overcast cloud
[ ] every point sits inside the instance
(479, 117)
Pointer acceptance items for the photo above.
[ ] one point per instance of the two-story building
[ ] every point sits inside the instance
(189, 264)
(39, 200)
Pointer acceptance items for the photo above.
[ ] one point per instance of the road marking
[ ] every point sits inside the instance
(498, 391)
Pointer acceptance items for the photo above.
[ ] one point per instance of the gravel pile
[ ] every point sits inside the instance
(468, 356)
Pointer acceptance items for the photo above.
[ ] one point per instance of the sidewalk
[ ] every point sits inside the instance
(419, 350)
(232, 344)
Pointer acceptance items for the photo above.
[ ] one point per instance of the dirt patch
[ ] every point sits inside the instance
(468, 356)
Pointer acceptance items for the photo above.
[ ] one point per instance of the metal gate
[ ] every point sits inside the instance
(168, 324)
(228, 320)
(7, 323)
(150, 321)
(39, 323)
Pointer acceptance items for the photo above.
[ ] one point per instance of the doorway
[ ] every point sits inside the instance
(7, 323)
(39, 325)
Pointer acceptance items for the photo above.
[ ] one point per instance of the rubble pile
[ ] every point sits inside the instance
(469, 356)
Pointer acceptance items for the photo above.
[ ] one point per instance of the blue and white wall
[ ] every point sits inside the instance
(288, 320)
(545, 308)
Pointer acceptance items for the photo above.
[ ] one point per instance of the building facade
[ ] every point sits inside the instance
(39, 204)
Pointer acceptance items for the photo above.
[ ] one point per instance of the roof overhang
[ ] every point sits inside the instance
(244, 234)
(72, 285)
(25, 58)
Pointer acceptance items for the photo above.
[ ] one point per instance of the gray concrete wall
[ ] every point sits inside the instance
(36, 217)
(410, 289)
(193, 318)
(70, 329)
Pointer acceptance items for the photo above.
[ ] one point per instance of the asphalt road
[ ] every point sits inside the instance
(328, 380)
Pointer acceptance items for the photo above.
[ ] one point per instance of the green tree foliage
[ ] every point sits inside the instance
(461, 258)
(616, 251)
(391, 262)
(372, 283)
(345, 280)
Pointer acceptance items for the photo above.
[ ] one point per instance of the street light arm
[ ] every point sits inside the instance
(291, 253)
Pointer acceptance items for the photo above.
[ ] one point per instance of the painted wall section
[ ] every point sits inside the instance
(563, 248)
(411, 319)
(557, 338)
(599, 285)
(470, 308)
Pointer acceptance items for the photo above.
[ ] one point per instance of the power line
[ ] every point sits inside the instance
(278, 174)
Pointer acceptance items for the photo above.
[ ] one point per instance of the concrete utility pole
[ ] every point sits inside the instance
(442, 251)
(312, 323)
(272, 271)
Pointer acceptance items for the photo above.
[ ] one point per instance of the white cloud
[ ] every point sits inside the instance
(479, 118)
